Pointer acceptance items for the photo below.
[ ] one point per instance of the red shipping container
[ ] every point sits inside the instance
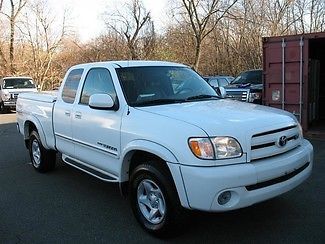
(294, 77)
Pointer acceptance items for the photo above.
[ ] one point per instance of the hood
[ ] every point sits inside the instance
(226, 117)
(245, 86)
(21, 90)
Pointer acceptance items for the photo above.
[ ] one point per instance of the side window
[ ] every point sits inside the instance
(223, 82)
(98, 81)
(255, 77)
(214, 82)
(71, 85)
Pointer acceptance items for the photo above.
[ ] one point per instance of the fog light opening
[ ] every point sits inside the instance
(224, 197)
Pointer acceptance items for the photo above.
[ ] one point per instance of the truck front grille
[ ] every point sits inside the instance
(13, 96)
(239, 95)
(274, 142)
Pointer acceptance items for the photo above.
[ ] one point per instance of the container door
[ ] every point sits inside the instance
(283, 74)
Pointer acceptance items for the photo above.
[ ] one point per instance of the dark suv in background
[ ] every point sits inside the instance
(246, 87)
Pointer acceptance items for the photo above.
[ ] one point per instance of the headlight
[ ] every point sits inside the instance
(215, 147)
(301, 133)
(6, 95)
(226, 147)
(255, 96)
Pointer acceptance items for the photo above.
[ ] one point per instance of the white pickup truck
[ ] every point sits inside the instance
(167, 138)
(11, 87)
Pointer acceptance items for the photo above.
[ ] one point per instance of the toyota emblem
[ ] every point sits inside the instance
(282, 141)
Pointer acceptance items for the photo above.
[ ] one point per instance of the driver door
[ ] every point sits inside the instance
(96, 132)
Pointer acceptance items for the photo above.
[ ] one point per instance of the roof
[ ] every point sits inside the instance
(217, 76)
(17, 77)
(130, 63)
(253, 70)
(312, 35)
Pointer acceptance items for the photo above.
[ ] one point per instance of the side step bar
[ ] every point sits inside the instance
(88, 170)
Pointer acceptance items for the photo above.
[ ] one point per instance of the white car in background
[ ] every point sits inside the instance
(11, 87)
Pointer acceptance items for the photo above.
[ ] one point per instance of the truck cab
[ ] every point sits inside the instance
(246, 87)
(11, 87)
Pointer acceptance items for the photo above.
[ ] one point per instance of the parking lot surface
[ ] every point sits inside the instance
(67, 205)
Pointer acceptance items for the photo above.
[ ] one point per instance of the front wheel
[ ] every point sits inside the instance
(154, 200)
(43, 160)
(2, 108)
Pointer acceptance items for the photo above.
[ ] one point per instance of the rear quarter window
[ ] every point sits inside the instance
(71, 85)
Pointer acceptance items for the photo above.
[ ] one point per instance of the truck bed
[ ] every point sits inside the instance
(46, 96)
(37, 107)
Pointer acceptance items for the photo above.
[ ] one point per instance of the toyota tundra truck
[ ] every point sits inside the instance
(165, 136)
(10, 88)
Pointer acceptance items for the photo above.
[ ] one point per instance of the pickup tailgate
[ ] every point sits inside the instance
(37, 108)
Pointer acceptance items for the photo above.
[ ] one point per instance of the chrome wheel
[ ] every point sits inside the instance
(151, 201)
(36, 153)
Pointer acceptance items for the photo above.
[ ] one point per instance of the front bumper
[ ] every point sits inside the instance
(10, 104)
(248, 183)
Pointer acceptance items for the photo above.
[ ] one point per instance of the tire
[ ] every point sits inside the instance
(2, 108)
(151, 190)
(43, 160)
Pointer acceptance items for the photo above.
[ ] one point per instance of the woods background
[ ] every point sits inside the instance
(212, 36)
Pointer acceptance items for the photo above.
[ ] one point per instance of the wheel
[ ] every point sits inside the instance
(43, 160)
(154, 200)
(2, 108)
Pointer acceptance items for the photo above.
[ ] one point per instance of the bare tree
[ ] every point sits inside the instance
(44, 39)
(132, 25)
(203, 16)
(310, 15)
(1, 4)
(15, 9)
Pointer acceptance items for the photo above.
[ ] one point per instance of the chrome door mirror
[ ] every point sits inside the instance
(101, 101)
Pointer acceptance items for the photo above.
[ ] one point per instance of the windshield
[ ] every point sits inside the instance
(153, 85)
(18, 83)
(252, 77)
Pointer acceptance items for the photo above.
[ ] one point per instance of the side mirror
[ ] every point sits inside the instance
(221, 91)
(101, 101)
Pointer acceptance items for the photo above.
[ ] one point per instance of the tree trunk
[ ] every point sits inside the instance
(133, 51)
(11, 42)
(197, 55)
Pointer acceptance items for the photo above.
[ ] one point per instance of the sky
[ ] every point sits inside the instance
(85, 16)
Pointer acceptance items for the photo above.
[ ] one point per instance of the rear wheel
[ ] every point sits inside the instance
(154, 199)
(43, 160)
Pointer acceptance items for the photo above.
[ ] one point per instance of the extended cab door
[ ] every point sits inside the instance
(63, 112)
(96, 132)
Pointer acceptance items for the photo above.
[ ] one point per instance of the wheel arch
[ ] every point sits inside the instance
(31, 124)
(140, 151)
(145, 148)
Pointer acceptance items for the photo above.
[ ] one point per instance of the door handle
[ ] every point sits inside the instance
(67, 113)
(77, 115)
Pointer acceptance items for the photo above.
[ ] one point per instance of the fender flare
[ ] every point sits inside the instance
(165, 154)
(146, 146)
(32, 119)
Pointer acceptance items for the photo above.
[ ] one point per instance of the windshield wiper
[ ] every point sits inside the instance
(202, 96)
(157, 102)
